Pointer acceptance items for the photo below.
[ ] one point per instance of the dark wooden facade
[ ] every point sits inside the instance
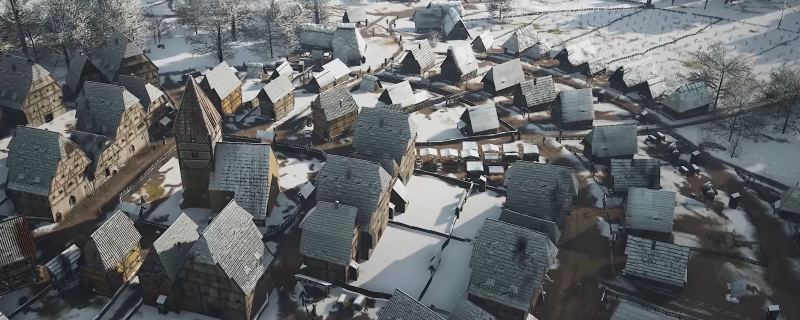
(209, 291)
(327, 129)
(276, 109)
(142, 67)
(410, 65)
(315, 87)
(22, 272)
(109, 281)
(331, 272)
(451, 73)
(687, 114)
(520, 101)
(154, 287)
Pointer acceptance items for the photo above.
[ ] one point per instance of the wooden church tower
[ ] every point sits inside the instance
(198, 128)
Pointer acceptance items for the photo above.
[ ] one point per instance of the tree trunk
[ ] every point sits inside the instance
(316, 12)
(233, 28)
(719, 89)
(20, 32)
(220, 55)
(269, 37)
(65, 52)
(786, 119)
(733, 125)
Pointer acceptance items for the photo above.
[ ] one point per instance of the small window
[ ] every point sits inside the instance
(48, 117)
(72, 201)
(195, 155)
(133, 149)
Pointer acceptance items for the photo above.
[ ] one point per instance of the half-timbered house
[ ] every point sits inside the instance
(333, 74)
(333, 112)
(276, 98)
(156, 104)
(115, 113)
(159, 273)
(387, 133)
(418, 59)
(45, 173)
(329, 242)
(226, 273)
(535, 94)
(112, 256)
(361, 184)
(17, 256)
(29, 95)
(460, 65)
(103, 154)
(223, 88)
(119, 56)
(198, 128)
(503, 78)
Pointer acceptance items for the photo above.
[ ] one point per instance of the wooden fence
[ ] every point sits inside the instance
(469, 138)
(146, 176)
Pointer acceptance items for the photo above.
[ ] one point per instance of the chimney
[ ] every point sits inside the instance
(419, 45)
(336, 204)
(633, 162)
(653, 245)
(450, 50)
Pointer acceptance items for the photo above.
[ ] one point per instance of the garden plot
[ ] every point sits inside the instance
(326, 305)
(759, 12)
(438, 123)
(166, 182)
(167, 210)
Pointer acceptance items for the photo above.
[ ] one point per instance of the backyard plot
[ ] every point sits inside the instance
(164, 184)
(438, 123)
(296, 170)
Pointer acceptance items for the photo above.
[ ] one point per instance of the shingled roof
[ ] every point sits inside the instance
(100, 107)
(356, 14)
(428, 18)
(522, 39)
(486, 38)
(92, 146)
(688, 97)
(538, 91)
(232, 241)
(658, 261)
(278, 88)
(576, 105)
(328, 233)
(353, 182)
(482, 117)
(16, 241)
(638, 72)
(16, 76)
(505, 75)
(464, 58)
(465, 310)
(336, 102)
(613, 141)
(423, 53)
(400, 93)
(33, 157)
(111, 242)
(630, 311)
(386, 163)
(637, 172)
(222, 80)
(348, 45)
(650, 210)
(581, 53)
(544, 191)
(509, 263)
(243, 168)
(196, 115)
(403, 307)
(331, 72)
(526, 221)
(141, 89)
(369, 83)
(450, 21)
(538, 50)
(383, 132)
(790, 200)
(108, 58)
(170, 249)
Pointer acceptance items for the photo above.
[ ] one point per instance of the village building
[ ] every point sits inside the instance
(226, 273)
(334, 112)
(544, 191)
(399, 93)
(156, 104)
(198, 128)
(45, 174)
(433, 16)
(639, 172)
(465, 310)
(478, 120)
(453, 27)
(403, 306)
(607, 142)
(315, 36)
(520, 41)
(348, 45)
(483, 42)
(18, 258)
(418, 58)
(580, 58)
(671, 270)
(508, 265)
(387, 133)
(632, 311)
(223, 88)
(285, 70)
(388, 164)
(649, 213)
(641, 77)
(276, 98)
(511, 152)
(503, 78)
(112, 256)
(29, 95)
(333, 74)
(64, 270)
(361, 184)
(530, 152)
(248, 174)
(530, 222)
(104, 156)
(369, 83)
(469, 150)
(355, 15)
(119, 56)
(535, 94)
(329, 242)
(689, 100)
(159, 273)
(789, 208)
(574, 109)
(539, 50)
(460, 65)
(115, 113)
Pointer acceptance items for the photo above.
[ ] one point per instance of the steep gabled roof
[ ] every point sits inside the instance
(658, 261)
(650, 210)
(465, 310)
(222, 80)
(446, 5)
(522, 39)
(243, 168)
(486, 38)
(630, 311)
(278, 88)
(538, 50)
(141, 89)
(544, 191)
(509, 263)
(353, 182)
(464, 59)
(100, 107)
(348, 45)
(111, 242)
(232, 242)
(16, 76)
(92, 146)
(336, 102)
(383, 132)
(526, 221)
(422, 53)
(403, 307)
(356, 14)
(196, 115)
(33, 157)
(483, 117)
(170, 249)
(581, 52)
(285, 69)
(505, 75)
(328, 233)
(450, 21)
(576, 105)
(538, 91)
(369, 83)
(400, 93)
(638, 72)
(613, 141)
(331, 72)
(108, 58)
(688, 97)
(636, 172)
(428, 18)
(315, 35)
(16, 241)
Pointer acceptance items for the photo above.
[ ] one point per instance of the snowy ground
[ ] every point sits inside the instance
(295, 172)
(64, 306)
(166, 183)
(150, 313)
(439, 124)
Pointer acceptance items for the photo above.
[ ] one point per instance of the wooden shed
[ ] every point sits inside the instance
(112, 255)
(460, 65)
(29, 95)
(418, 59)
(574, 109)
(480, 119)
(285, 70)
(334, 112)
(333, 74)
(689, 100)
(329, 242)
(535, 94)
(276, 98)
(520, 41)
(223, 88)
(483, 41)
(18, 258)
(503, 78)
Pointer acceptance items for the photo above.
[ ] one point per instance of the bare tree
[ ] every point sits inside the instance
(499, 7)
(214, 34)
(273, 27)
(68, 26)
(156, 24)
(319, 10)
(434, 36)
(719, 68)
(189, 14)
(738, 118)
(783, 90)
(15, 13)
(124, 16)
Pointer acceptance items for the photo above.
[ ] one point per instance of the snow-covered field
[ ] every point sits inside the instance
(439, 124)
